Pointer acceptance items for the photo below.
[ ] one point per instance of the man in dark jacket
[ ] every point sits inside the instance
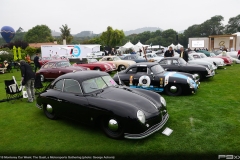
(183, 54)
(28, 79)
(169, 53)
(36, 62)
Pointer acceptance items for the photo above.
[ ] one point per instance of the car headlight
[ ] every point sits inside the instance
(190, 82)
(141, 116)
(163, 101)
(88, 68)
(74, 70)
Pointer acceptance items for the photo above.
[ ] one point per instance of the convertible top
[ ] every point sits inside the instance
(82, 75)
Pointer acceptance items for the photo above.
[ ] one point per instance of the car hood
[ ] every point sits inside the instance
(194, 66)
(200, 62)
(140, 101)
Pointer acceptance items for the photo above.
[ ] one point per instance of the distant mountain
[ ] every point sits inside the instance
(84, 34)
(55, 34)
(140, 30)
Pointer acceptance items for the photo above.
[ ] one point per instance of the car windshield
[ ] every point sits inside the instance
(98, 83)
(182, 61)
(92, 60)
(203, 56)
(213, 55)
(116, 59)
(157, 69)
(63, 64)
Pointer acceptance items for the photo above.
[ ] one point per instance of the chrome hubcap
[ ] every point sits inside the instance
(42, 78)
(113, 125)
(122, 67)
(173, 89)
(49, 108)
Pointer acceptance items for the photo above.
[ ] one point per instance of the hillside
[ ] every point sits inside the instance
(140, 30)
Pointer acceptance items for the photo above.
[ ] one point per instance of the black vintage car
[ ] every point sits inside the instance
(93, 97)
(151, 76)
(180, 65)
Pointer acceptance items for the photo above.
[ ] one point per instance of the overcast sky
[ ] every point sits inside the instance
(96, 15)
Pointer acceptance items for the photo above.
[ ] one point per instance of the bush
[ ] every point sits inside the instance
(8, 57)
(31, 51)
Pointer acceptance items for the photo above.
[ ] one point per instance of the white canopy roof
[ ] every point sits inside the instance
(238, 34)
(172, 45)
(128, 45)
(178, 46)
(139, 44)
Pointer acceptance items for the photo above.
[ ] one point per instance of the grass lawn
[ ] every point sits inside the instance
(206, 124)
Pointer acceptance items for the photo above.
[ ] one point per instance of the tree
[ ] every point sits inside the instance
(66, 33)
(19, 30)
(39, 34)
(233, 25)
(213, 26)
(112, 38)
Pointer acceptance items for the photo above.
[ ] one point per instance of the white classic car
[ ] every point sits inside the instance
(232, 56)
(192, 60)
(153, 56)
(218, 62)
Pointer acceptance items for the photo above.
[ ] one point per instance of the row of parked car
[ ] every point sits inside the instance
(125, 105)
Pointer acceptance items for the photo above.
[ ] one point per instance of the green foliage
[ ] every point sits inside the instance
(31, 51)
(233, 25)
(38, 34)
(66, 33)
(111, 37)
(8, 57)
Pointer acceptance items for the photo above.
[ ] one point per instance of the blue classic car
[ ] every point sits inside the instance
(151, 76)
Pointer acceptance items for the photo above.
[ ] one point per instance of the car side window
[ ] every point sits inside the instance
(142, 69)
(163, 62)
(71, 86)
(175, 62)
(132, 70)
(196, 56)
(58, 85)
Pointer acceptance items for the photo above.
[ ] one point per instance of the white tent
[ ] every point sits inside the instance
(178, 46)
(128, 45)
(139, 44)
(172, 45)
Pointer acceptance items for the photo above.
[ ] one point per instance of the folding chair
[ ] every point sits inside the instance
(12, 90)
(39, 88)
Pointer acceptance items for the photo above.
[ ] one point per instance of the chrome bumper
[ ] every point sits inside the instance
(150, 131)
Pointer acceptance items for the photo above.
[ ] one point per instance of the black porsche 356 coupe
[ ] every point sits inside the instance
(94, 97)
(180, 65)
(151, 76)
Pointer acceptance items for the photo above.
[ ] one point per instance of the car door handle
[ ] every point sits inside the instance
(59, 100)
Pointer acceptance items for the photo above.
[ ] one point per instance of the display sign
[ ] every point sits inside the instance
(198, 43)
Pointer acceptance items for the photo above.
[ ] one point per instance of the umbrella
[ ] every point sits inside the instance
(15, 53)
(19, 53)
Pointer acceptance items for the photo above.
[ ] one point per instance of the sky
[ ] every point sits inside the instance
(96, 15)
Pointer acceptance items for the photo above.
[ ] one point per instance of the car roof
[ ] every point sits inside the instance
(82, 75)
(142, 64)
(170, 58)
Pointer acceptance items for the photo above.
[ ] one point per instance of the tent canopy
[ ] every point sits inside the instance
(128, 45)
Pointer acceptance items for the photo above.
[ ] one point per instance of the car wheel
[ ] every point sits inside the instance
(42, 78)
(121, 67)
(173, 89)
(97, 69)
(112, 128)
(49, 112)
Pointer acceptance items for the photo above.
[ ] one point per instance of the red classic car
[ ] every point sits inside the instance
(55, 68)
(43, 60)
(226, 60)
(94, 64)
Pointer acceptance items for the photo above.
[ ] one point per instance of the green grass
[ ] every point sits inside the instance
(204, 124)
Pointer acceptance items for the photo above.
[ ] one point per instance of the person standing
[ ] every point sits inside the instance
(183, 54)
(169, 52)
(112, 52)
(28, 79)
(36, 62)
(28, 59)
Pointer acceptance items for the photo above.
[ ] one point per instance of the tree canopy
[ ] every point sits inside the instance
(38, 34)
(111, 37)
(66, 33)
